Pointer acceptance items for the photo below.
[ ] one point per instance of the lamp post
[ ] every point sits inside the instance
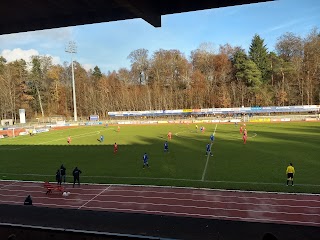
(72, 49)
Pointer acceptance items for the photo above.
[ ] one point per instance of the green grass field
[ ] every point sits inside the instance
(258, 165)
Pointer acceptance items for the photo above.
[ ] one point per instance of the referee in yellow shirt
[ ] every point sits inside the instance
(290, 172)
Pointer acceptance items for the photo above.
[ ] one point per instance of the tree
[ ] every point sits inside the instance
(202, 60)
(40, 67)
(96, 73)
(57, 101)
(290, 50)
(289, 45)
(252, 74)
(2, 63)
(139, 64)
(258, 53)
(247, 72)
(273, 60)
(311, 66)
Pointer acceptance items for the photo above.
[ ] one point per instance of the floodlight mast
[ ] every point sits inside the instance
(72, 49)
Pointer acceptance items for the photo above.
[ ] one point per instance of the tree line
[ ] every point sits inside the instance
(167, 79)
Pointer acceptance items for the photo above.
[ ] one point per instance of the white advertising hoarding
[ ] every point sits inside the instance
(22, 114)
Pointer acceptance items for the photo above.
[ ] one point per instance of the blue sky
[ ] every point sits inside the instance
(108, 44)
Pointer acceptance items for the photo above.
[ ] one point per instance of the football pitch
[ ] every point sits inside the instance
(258, 165)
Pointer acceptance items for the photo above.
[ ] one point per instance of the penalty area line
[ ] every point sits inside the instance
(106, 189)
(206, 166)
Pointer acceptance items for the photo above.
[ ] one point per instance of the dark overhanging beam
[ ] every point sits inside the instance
(30, 15)
(145, 11)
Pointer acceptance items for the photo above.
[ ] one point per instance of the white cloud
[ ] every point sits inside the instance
(46, 38)
(87, 66)
(18, 53)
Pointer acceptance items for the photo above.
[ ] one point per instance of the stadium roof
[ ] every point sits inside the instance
(29, 15)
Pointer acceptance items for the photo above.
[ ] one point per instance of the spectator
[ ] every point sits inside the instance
(28, 200)
(63, 173)
(58, 176)
(76, 176)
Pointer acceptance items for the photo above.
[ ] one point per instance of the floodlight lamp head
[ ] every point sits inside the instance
(72, 47)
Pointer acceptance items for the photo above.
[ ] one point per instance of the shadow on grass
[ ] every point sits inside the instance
(233, 166)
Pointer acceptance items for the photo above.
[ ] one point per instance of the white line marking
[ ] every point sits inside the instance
(174, 193)
(156, 204)
(173, 205)
(163, 198)
(40, 204)
(23, 137)
(206, 201)
(3, 187)
(215, 195)
(187, 188)
(185, 214)
(55, 140)
(205, 168)
(106, 189)
(210, 208)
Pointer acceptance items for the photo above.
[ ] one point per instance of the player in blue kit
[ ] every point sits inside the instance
(166, 147)
(208, 150)
(212, 137)
(101, 138)
(145, 160)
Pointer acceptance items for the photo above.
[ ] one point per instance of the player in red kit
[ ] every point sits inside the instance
(115, 148)
(241, 130)
(169, 135)
(244, 138)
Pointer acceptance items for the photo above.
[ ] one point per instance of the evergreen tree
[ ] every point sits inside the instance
(96, 73)
(238, 60)
(246, 70)
(258, 53)
(252, 74)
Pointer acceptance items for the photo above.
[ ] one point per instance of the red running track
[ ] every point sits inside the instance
(294, 209)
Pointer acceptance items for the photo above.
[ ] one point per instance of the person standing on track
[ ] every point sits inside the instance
(76, 176)
(63, 173)
(290, 172)
(58, 176)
